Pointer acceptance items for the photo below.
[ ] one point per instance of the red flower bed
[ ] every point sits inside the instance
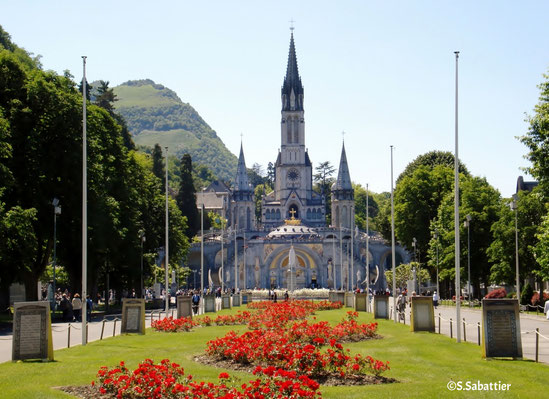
(169, 324)
(297, 347)
(168, 380)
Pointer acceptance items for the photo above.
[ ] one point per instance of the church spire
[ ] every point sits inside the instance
(241, 181)
(343, 177)
(292, 89)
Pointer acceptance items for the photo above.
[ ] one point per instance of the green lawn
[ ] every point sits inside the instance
(423, 363)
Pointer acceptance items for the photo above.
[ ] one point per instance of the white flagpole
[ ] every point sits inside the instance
(456, 215)
(84, 208)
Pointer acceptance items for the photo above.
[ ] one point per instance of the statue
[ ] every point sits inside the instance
(256, 272)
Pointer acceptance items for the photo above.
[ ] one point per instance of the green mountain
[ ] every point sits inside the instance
(155, 114)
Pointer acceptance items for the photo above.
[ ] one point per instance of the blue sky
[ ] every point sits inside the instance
(382, 71)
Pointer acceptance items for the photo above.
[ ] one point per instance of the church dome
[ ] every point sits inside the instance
(293, 231)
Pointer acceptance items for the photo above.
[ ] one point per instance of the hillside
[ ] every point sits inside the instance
(155, 114)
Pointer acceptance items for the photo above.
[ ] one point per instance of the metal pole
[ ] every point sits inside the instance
(166, 256)
(393, 238)
(244, 258)
(468, 262)
(456, 212)
(352, 248)
(235, 262)
(367, 251)
(202, 247)
(517, 252)
(54, 251)
(222, 253)
(436, 238)
(84, 205)
(340, 253)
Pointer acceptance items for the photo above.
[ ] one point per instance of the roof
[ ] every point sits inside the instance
(343, 181)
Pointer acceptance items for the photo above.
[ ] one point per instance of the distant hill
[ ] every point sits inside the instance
(155, 114)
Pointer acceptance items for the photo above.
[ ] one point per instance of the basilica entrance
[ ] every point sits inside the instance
(305, 274)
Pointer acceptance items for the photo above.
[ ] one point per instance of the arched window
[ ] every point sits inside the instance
(278, 214)
(268, 214)
(308, 214)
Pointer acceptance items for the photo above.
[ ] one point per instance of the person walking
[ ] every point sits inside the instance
(77, 307)
(435, 299)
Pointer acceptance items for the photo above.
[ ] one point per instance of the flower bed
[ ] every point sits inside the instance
(168, 380)
(298, 347)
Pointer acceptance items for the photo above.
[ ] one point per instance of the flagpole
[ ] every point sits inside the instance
(166, 255)
(84, 207)
(456, 214)
(393, 238)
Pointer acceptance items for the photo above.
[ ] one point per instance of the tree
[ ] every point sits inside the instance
(158, 165)
(322, 177)
(105, 97)
(482, 202)
(501, 252)
(271, 174)
(432, 159)
(259, 192)
(360, 207)
(417, 198)
(404, 273)
(186, 196)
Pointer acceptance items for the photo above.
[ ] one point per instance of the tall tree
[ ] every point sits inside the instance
(186, 196)
(105, 97)
(271, 173)
(432, 159)
(158, 164)
(360, 207)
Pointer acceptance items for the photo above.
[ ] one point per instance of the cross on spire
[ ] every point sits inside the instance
(292, 24)
(343, 135)
(293, 212)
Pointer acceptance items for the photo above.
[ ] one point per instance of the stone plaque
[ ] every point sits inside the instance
(337, 296)
(246, 297)
(501, 328)
(209, 303)
(236, 300)
(133, 316)
(184, 307)
(423, 314)
(32, 337)
(361, 302)
(225, 301)
(381, 307)
(349, 299)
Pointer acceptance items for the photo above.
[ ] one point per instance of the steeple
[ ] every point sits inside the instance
(292, 89)
(241, 181)
(343, 177)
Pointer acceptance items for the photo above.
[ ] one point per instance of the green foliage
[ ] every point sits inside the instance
(105, 97)
(432, 159)
(360, 207)
(542, 249)
(404, 273)
(530, 211)
(417, 199)
(323, 182)
(526, 294)
(155, 114)
(186, 196)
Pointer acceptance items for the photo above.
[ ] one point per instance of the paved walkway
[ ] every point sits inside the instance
(472, 316)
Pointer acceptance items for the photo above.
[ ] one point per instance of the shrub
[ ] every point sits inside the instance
(498, 293)
(526, 294)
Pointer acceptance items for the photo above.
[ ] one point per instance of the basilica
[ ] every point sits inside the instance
(254, 253)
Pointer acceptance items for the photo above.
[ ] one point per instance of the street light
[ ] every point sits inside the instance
(56, 211)
(514, 207)
(467, 223)
(436, 238)
(166, 255)
(414, 244)
(142, 238)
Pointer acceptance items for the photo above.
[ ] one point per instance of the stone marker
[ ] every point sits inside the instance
(501, 328)
(337, 296)
(246, 297)
(184, 307)
(225, 301)
(209, 303)
(381, 307)
(32, 337)
(133, 316)
(422, 314)
(349, 299)
(361, 302)
(236, 300)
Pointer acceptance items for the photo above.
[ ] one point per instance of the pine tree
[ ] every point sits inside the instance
(186, 197)
(158, 164)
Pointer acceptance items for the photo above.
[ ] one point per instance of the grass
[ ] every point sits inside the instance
(423, 363)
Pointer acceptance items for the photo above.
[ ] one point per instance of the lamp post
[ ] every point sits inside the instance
(166, 255)
(436, 248)
(467, 223)
(202, 246)
(56, 211)
(367, 251)
(393, 238)
(414, 244)
(514, 207)
(142, 238)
